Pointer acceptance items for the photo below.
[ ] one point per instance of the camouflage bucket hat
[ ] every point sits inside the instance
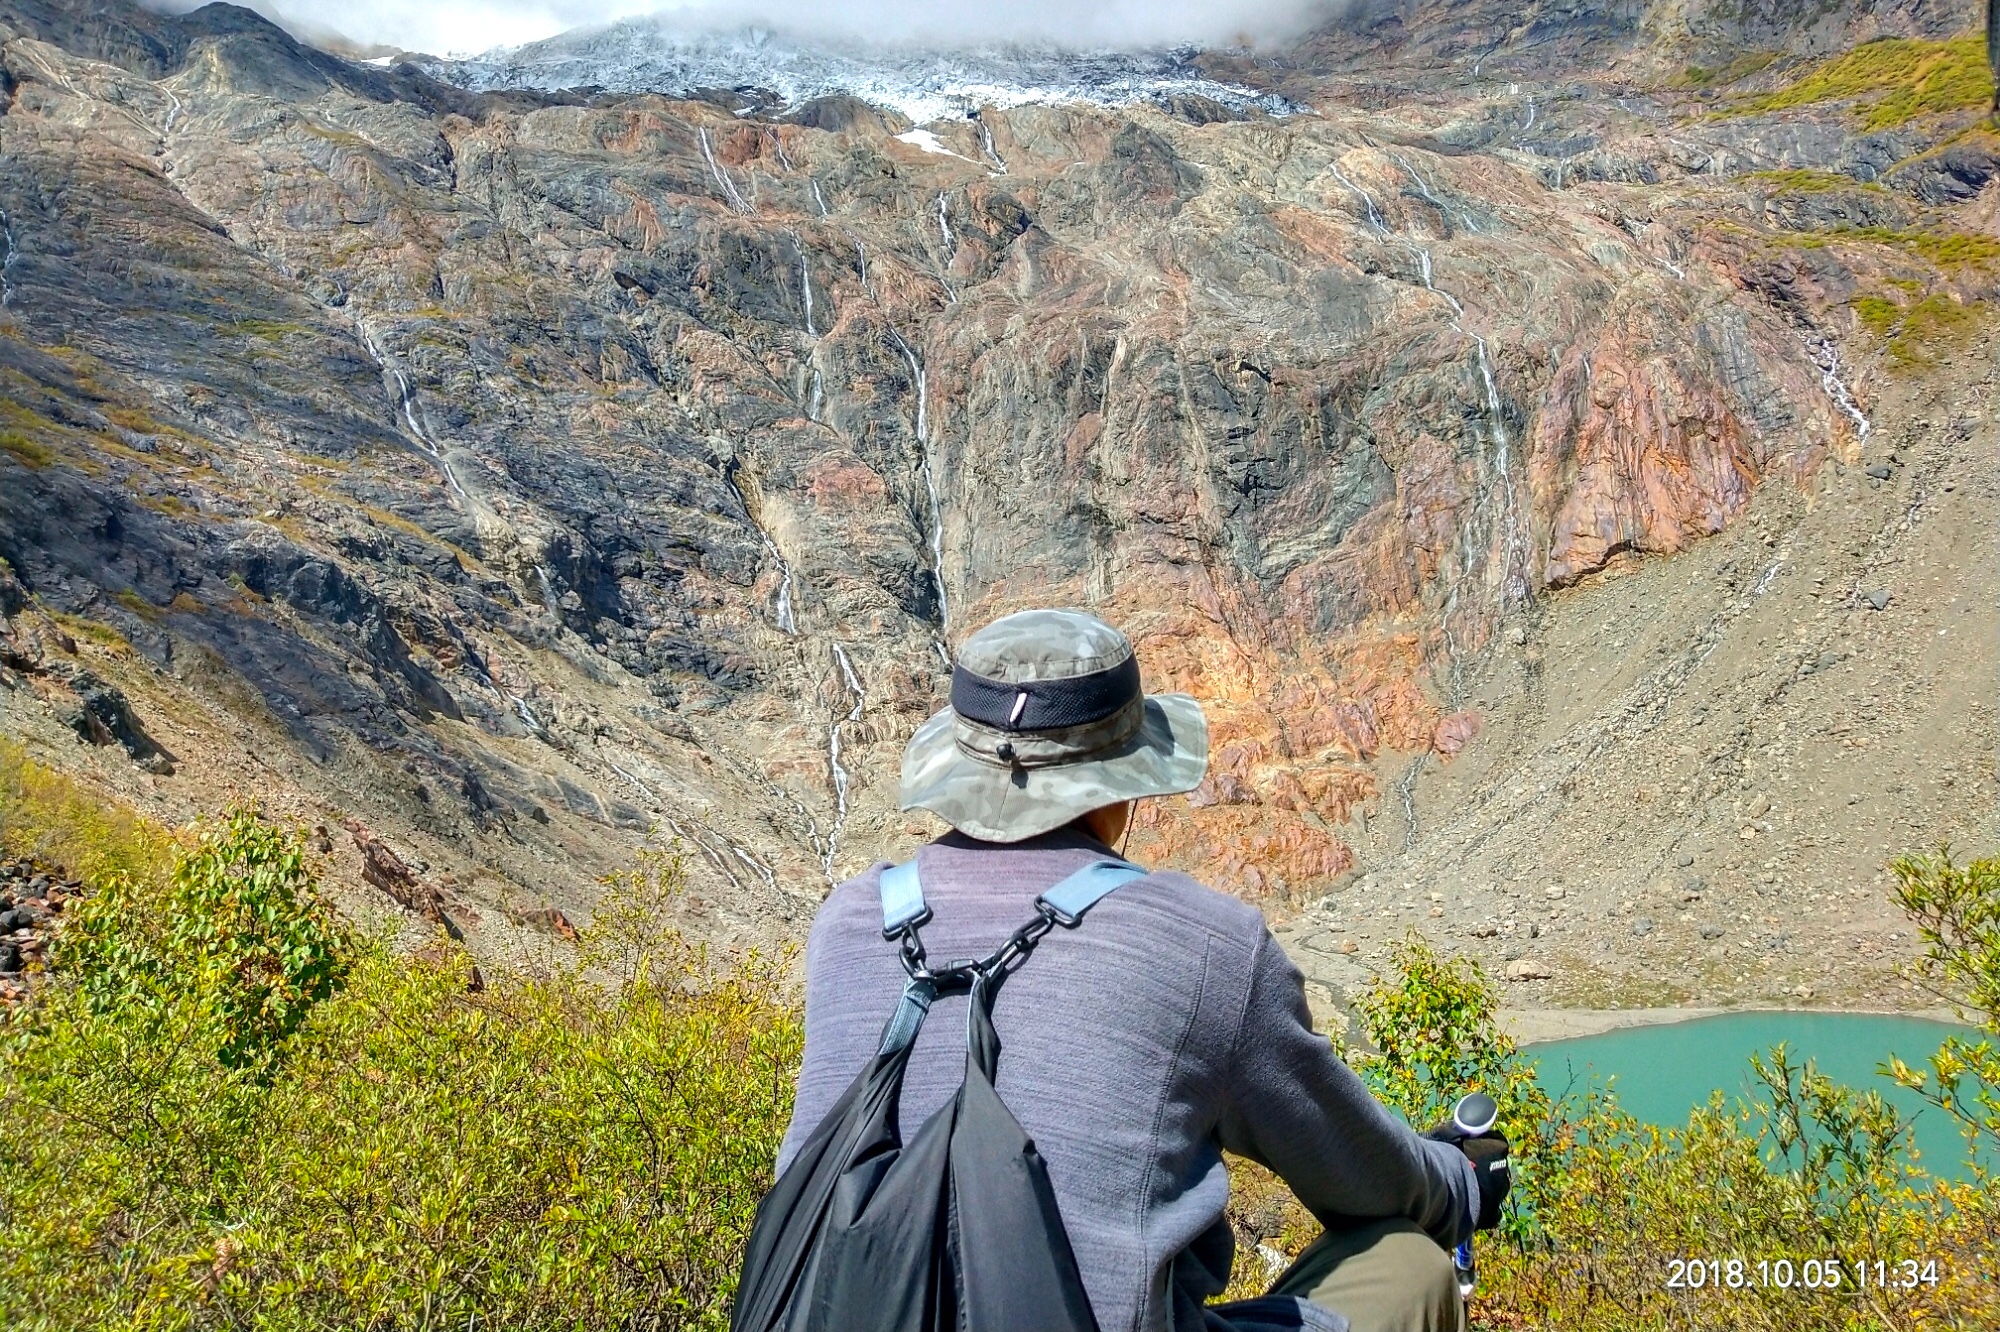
(1047, 721)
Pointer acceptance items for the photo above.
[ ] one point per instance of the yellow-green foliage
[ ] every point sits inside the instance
(1945, 249)
(47, 816)
(557, 1151)
(1742, 67)
(1919, 333)
(93, 631)
(404, 1147)
(1803, 180)
(25, 450)
(1894, 80)
(1602, 1204)
(239, 937)
(1957, 911)
(266, 330)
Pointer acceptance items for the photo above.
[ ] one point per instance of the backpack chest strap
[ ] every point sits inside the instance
(904, 910)
(904, 907)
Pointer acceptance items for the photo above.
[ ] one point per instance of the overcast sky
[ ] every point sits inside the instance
(464, 26)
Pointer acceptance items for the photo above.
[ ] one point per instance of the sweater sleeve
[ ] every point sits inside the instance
(1296, 1107)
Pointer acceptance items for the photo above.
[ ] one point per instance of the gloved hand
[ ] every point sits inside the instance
(1488, 1153)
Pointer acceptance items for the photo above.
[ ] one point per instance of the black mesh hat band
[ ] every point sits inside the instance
(1044, 705)
(1049, 749)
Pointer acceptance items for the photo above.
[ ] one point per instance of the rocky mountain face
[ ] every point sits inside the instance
(1511, 448)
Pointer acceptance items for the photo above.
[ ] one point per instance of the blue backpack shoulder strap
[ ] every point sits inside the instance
(1068, 900)
(903, 902)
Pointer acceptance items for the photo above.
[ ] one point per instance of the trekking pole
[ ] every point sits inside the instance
(1474, 1116)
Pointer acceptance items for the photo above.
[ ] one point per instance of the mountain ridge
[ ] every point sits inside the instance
(512, 471)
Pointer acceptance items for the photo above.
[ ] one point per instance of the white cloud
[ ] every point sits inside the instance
(465, 26)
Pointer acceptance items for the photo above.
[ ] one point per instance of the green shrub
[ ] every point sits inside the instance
(226, 1112)
(1957, 911)
(1603, 1205)
(239, 934)
(1435, 1028)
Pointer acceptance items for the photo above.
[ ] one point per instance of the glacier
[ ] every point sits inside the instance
(922, 84)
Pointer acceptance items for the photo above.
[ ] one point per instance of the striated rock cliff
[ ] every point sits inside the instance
(510, 471)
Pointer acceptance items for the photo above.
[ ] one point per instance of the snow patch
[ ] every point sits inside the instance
(930, 143)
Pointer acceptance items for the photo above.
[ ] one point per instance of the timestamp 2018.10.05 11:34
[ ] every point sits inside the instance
(1816, 1274)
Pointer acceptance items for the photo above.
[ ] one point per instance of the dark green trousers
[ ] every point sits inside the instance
(1383, 1276)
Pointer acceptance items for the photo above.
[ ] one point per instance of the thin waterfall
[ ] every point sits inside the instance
(783, 608)
(805, 287)
(8, 254)
(986, 143)
(1515, 558)
(819, 198)
(835, 768)
(785, 620)
(1513, 543)
(526, 714)
(404, 398)
(816, 400)
(784, 159)
(1826, 358)
(861, 265)
(1424, 188)
(944, 228)
(930, 473)
(1368, 200)
(736, 200)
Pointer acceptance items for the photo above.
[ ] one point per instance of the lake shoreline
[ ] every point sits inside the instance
(1539, 1026)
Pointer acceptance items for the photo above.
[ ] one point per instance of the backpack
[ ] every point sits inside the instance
(956, 1229)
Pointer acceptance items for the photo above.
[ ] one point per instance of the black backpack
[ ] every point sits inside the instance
(958, 1229)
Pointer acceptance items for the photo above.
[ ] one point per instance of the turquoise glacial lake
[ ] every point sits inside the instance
(1661, 1072)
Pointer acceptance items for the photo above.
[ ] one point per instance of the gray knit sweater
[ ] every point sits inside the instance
(1136, 1048)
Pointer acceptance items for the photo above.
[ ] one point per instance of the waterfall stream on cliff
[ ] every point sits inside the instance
(1424, 188)
(839, 773)
(403, 397)
(805, 285)
(785, 620)
(986, 144)
(944, 229)
(526, 714)
(1827, 358)
(819, 198)
(729, 192)
(926, 465)
(1367, 199)
(1515, 557)
(816, 400)
(8, 254)
(783, 607)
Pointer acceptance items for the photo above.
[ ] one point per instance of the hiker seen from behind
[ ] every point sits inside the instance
(1026, 1056)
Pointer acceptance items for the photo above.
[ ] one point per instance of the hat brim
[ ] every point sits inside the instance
(1166, 755)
